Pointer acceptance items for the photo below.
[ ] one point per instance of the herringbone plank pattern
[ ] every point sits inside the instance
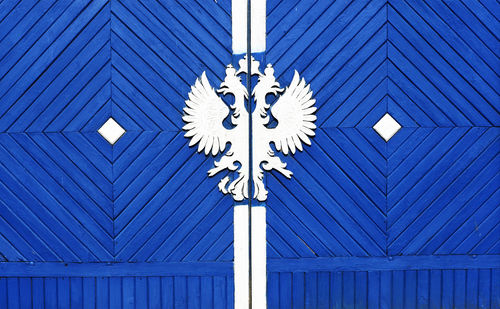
(166, 209)
(444, 63)
(67, 66)
(342, 53)
(442, 188)
(56, 180)
(65, 193)
(432, 188)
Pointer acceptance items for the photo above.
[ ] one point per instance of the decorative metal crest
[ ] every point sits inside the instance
(205, 113)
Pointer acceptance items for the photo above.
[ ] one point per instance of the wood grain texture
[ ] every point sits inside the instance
(471, 288)
(117, 292)
(428, 197)
(430, 192)
(67, 196)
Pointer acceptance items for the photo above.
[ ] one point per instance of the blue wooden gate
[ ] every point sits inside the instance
(84, 224)
(411, 223)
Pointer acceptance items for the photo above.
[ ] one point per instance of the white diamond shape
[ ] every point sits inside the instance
(111, 131)
(386, 127)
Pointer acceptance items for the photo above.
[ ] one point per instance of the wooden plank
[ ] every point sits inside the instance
(89, 293)
(140, 292)
(374, 289)
(153, 292)
(13, 299)
(102, 292)
(128, 292)
(50, 289)
(298, 288)
(63, 292)
(384, 263)
(114, 269)
(76, 292)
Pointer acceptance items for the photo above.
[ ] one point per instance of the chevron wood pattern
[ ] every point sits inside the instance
(432, 189)
(443, 73)
(393, 75)
(444, 62)
(66, 195)
(451, 212)
(343, 54)
(164, 211)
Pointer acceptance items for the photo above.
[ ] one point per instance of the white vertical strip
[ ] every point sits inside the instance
(259, 277)
(241, 256)
(258, 22)
(239, 26)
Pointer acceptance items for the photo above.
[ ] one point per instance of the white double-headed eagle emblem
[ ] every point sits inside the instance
(205, 113)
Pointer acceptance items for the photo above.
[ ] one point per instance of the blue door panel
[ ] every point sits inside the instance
(68, 196)
(430, 192)
(339, 183)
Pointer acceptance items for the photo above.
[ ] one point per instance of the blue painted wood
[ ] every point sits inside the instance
(382, 289)
(124, 292)
(67, 196)
(357, 204)
(363, 223)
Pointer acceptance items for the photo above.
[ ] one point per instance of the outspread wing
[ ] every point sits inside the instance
(204, 113)
(294, 112)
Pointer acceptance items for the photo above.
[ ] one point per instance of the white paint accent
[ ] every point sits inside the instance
(386, 127)
(111, 131)
(205, 112)
(239, 11)
(241, 257)
(239, 26)
(258, 22)
(259, 277)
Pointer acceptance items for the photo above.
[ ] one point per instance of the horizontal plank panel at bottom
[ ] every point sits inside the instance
(118, 292)
(384, 289)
